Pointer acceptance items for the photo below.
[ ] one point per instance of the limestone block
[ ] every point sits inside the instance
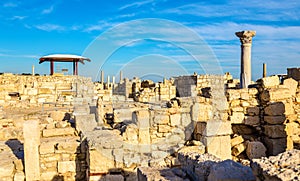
(238, 149)
(218, 146)
(252, 120)
(161, 119)
(245, 104)
(67, 146)
(291, 84)
(275, 94)
(274, 119)
(237, 118)
(245, 96)
(236, 140)
(252, 91)
(292, 129)
(256, 149)
(58, 132)
(279, 108)
(213, 128)
(32, 92)
(175, 119)
(58, 115)
(19, 165)
(237, 109)
(85, 122)
(252, 111)
(159, 154)
(164, 128)
(235, 103)
(230, 170)
(19, 176)
(66, 166)
(46, 148)
(142, 118)
(6, 167)
(144, 136)
(131, 133)
(275, 131)
(44, 91)
(233, 94)
(275, 146)
(101, 162)
(110, 177)
(201, 112)
(186, 120)
(271, 81)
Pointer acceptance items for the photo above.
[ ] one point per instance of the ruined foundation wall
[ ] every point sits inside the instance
(21, 90)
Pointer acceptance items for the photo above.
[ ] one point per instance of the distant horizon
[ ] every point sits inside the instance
(32, 29)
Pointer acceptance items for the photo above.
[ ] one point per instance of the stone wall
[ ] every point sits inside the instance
(22, 90)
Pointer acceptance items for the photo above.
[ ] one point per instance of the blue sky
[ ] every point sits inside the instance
(33, 28)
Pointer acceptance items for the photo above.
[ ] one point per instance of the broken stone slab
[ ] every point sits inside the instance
(236, 140)
(238, 149)
(218, 146)
(230, 170)
(271, 81)
(255, 149)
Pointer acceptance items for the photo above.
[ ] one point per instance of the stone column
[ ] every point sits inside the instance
(121, 77)
(264, 70)
(246, 42)
(102, 76)
(33, 70)
(31, 133)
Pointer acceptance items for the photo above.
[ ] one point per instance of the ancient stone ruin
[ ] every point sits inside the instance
(192, 127)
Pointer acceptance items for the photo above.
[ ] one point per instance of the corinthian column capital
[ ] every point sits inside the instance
(245, 36)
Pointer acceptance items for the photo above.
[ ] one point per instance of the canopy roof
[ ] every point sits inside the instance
(63, 58)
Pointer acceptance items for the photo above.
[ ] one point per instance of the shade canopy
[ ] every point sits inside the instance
(63, 58)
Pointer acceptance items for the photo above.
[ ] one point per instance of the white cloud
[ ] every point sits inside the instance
(48, 10)
(50, 27)
(18, 17)
(136, 4)
(10, 5)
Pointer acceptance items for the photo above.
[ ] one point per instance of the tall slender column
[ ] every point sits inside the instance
(32, 70)
(51, 67)
(264, 70)
(121, 77)
(102, 76)
(246, 43)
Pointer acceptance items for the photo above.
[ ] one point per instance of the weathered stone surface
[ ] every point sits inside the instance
(236, 140)
(101, 162)
(238, 149)
(291, 84)
(279, 108)
(66, 166)
(175, 119)
(19, 176)
(285, 166)
(218, 146)
(58, 132)
(256, 149)
(275, 131)
(85, 122)
(6, 167)
(275, 94)
(252, 120)
(192, 149)
(230, 170)
(214, 128)
(237, 118)
(31, 149)
(271, 81)
(252, 111)
(274, 119)
(275, 146)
